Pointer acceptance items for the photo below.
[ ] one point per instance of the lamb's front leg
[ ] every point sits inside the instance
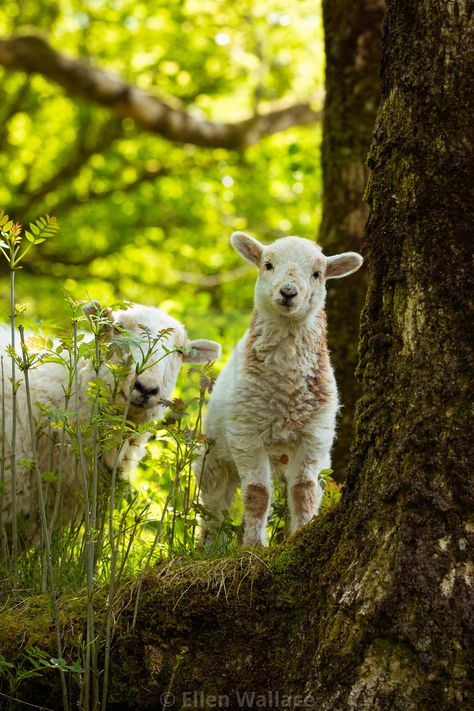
(253, 465)
(305, 492)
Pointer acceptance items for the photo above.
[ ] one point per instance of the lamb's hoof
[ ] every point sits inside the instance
(205, 543)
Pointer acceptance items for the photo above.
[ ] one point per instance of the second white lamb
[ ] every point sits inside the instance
(146, 348)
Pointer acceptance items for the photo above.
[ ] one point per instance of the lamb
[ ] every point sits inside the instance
(273, 408)
(130, 333)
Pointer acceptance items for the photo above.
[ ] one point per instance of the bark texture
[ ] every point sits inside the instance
(370, 606)
(353, 39)
(32, 53)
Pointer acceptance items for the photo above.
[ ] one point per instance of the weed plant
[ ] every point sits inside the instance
(122, 528)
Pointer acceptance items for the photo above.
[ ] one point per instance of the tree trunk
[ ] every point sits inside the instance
(353, 33)
(370, 606)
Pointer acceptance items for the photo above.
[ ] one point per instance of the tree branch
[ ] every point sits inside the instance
(75, 161)
(32, 53)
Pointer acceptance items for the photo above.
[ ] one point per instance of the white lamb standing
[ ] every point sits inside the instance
(273, 408)
(146, 395)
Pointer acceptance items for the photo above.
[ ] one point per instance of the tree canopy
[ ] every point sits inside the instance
(144, 217)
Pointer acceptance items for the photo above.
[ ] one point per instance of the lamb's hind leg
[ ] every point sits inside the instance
(218, 481)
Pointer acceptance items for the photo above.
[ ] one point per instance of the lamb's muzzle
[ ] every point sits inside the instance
(145, 396)
(288, 292)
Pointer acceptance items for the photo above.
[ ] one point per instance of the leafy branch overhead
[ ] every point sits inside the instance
(32, 53)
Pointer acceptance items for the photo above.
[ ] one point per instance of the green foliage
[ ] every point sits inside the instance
(142, 218)
(12, 245)
(32, 663)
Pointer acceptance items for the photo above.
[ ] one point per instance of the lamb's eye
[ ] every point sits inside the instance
(268, 266)
(316, 274)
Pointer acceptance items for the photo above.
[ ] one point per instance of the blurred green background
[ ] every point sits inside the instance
(142, 218)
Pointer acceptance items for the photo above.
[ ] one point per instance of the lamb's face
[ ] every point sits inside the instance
(148, 340)
(292, 273)
(149, 347)
(291, 279)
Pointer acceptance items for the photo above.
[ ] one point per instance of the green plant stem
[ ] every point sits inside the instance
(131, 539)
(13, 440)
(91, 655)
(44, 522)
(3, 533)
(150, 555)
(196, 430)
(92, 552)
(57, 500)
(113, 563)
(177, 477)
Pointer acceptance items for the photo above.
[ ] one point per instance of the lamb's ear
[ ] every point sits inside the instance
(100, 318)
(248, 247)
(342, 265)
(201, 351)
(94, 309)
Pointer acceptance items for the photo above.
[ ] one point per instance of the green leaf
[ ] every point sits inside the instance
(49, 476)
(5, 665)
(44, 227)
(326, 473)
(4, 218)
(26, 463)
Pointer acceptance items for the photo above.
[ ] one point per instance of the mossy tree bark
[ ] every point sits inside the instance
(353, 40)
(370, 606)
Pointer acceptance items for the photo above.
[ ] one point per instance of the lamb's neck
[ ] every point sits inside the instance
(286, 330)
(286, 346)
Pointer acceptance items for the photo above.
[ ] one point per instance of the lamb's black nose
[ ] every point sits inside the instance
(288, 291)
(144, 390)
